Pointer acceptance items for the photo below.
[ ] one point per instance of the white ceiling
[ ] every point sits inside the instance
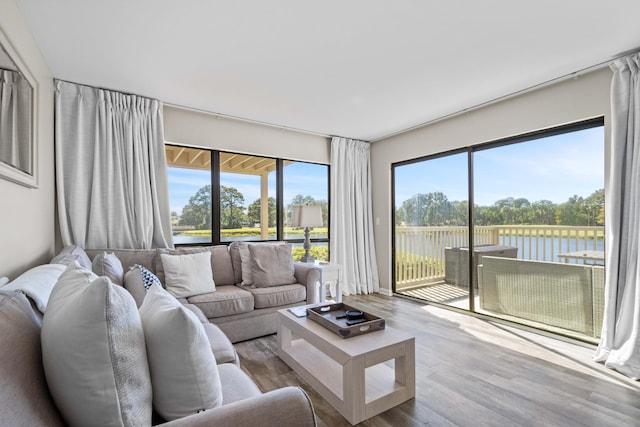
(356, 68)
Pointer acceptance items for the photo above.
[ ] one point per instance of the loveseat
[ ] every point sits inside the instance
(242, 308)
(36, 389)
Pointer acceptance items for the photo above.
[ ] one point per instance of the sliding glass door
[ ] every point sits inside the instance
(431, 228)
(535, 252)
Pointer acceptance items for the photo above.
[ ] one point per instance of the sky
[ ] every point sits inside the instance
(552, 168)
(299, 178)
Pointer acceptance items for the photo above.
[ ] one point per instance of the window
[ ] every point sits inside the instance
(307, 184)
(253, 195)
(536, 229)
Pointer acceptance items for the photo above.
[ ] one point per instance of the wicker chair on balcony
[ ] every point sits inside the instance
(555, 294)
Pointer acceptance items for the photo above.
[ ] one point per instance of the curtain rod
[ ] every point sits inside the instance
(251, 121)
(538, 86)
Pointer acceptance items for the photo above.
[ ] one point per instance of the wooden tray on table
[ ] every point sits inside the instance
(333, 317)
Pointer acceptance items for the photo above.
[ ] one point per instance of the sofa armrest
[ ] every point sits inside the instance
(309, 275)
(284, 407)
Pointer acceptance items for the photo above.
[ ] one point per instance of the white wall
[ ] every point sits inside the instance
(27, 231)
(200, 129)
(568, 101)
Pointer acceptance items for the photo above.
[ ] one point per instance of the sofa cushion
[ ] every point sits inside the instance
(275, 296)
(23, 388)
(188, 275)
(72, 253)
(108, 264)
(272, 265)
(37, 283)
(225, 301)
(222, 348)
(137, 280)
(184, 373)
(221, 265)
(236, 385)
(93, 352)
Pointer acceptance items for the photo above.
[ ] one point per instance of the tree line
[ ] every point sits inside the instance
(233, 212)
(434, 209)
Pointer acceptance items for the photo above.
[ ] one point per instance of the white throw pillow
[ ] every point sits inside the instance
(184, 373)
(72, 253)
(93, 352)
(37, 283)
(108, 264)
(188, 275)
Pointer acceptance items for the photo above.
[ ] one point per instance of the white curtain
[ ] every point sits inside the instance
(619, 345)
(352, 244)
(15, 120)
(111, 171)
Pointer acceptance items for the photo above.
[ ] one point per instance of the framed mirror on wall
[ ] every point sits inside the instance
(18, 143)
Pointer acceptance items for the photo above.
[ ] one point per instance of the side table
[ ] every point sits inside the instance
(329, 272)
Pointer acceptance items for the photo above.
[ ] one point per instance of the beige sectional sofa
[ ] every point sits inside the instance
(60, 356)
(242, 312)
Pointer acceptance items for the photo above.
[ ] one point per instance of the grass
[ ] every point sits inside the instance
(254, 232)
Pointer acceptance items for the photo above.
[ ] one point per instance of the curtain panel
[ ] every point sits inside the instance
(15, 120)
(111, 172)
(619, 346)
(352, 244)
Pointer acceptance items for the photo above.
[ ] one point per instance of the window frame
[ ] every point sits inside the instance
(280, 208)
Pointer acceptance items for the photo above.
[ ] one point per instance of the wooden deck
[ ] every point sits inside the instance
(471, 372)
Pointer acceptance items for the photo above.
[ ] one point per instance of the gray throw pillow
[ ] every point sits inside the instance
(108, 264)
(93, 352)
(271, 265)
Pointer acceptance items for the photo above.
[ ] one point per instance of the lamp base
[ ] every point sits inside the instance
(308, 259)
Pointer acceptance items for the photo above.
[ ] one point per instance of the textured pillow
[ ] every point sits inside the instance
(188, 275)
(272, 265)
(245, 259)
(138, 280)
(184, 373)
(108, 264)
(72, 253)
(37, 283)
(93, 352)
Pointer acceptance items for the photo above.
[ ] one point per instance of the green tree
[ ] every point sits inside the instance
(231, 208)
(198, 211)
(254, 211)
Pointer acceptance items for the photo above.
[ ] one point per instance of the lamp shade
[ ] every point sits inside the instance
(306, 216)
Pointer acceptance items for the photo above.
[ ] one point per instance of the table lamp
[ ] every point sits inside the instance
(307, 216)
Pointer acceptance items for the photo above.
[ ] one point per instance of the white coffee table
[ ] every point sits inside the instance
(350, 373)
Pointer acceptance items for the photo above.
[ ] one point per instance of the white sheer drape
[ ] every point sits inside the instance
(619, 345)
(110, 169)
(352, 244)
(15, 120)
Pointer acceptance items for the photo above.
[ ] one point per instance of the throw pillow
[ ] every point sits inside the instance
(108, 264)
(138, 280)
(272, 265)
(93, 352)
(72, 253)
(245, 260)
(188, 275)
(184, 373)
(37, 283)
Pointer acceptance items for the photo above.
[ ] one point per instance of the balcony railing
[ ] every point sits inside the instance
(420, 251)
(540, 288)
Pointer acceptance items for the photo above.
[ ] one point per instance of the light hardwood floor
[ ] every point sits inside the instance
(472, 372)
